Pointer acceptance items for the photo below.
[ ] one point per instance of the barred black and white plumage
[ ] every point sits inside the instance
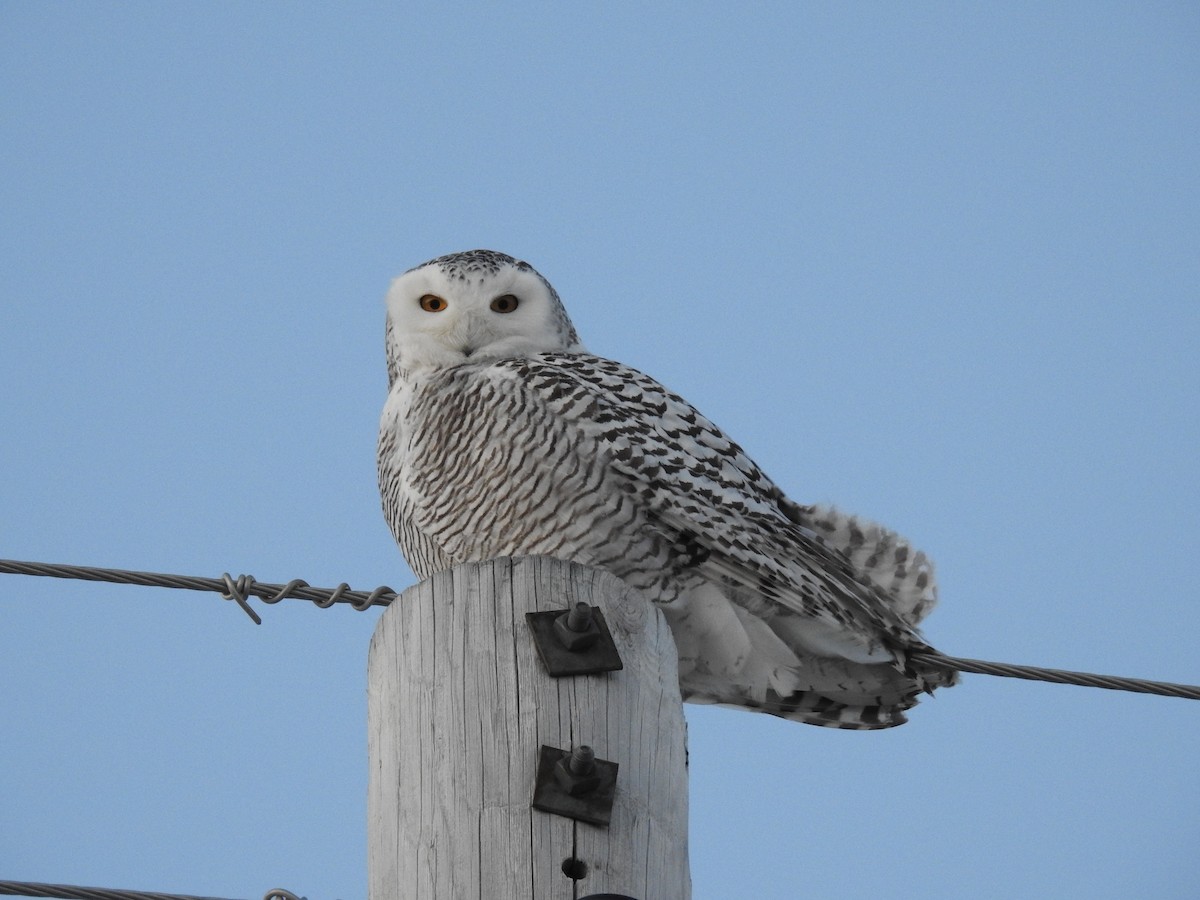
(503, 436)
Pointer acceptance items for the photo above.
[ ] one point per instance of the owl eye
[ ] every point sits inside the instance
(432, 303)
(505, 303)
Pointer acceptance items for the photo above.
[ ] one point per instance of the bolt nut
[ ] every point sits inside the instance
(576, 773)
(576, 629)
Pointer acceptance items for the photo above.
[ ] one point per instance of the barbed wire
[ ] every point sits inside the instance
(238, 590)
(245, 586)
(78, 892)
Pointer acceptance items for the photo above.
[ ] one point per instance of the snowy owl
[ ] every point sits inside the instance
(503, 436)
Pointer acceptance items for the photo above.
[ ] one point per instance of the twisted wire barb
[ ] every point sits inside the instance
(78, 892)
(238, 590)
(245, 586)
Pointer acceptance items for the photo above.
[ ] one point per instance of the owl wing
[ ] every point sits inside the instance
(577, 457)
(570, 441)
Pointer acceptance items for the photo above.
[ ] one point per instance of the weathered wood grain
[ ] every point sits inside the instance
(459, 705)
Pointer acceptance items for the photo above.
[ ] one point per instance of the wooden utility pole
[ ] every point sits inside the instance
(459, 706)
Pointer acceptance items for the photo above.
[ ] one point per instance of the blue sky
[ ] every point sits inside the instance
(936, 263)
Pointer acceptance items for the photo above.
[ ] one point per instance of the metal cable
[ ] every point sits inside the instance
(1058, 676)
(78, 892)
(238, 589)
(244, 586)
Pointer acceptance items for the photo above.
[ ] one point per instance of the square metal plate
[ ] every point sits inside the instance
(594, 807)
(602, 656)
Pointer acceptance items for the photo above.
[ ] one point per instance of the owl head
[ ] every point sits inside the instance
(474, 306)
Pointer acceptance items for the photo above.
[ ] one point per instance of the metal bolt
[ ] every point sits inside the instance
(576, 629)
(576, 771)
(583, 760)
(579, 617)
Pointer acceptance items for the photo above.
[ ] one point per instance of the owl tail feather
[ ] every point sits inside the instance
(769, 676)
(813, 708)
